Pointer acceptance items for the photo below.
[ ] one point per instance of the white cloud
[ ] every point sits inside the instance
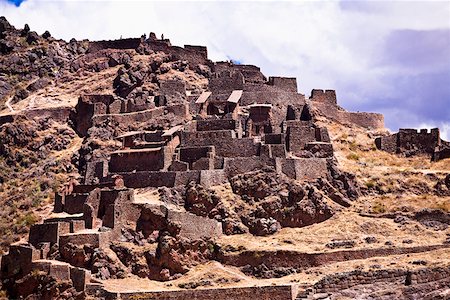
(325, 44)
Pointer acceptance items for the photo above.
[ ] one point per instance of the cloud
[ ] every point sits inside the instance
(389, 57)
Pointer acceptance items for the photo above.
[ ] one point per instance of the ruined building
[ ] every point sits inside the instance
(410, 142)
(149, 157)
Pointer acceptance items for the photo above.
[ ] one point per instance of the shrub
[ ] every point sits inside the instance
(353, 156)
(27, 220)
(378, 208)
(370, 184)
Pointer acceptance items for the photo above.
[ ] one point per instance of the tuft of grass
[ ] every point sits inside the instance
(370, 184)
(353, 156)
(27, 220)
(378, 208)
(353, 146)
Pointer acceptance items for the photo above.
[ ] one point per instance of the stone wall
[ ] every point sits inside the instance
(195, 55)
(387, 143)
(239, 165)
(327, 96)
(131, 43)
(279, 292)
(284, 83)
(363, 119)
(337, 282)
(325, 102)
(137, 159)
(302, 168)
(216, 124)
(195, 227)
(410, 141)
(251, 74)
(128, 118)
(302, 260)
(174, 90)
(226, 82)
(48, 232)
(205, 138)
(57, 114)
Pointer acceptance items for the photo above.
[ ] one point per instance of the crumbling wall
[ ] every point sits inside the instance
(422, 141)
(302, 168)
(195, 55)
(249, 72)
(279, 292)
(239, 165)
(128, 118)
(226, 82)
(195, 227)
(284, 83)
(410, 141)
(341, 281)
(174, 90)
(57, 114)
(326, 103)
(193, 154)
(363, 119)
(137, 160)
(298, 135)
(237, 148)
(216, 124)
(205, 138)
(327, 96)
(130, 43)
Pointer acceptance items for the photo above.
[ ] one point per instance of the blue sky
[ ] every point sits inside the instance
(15, 2)
(391, 57)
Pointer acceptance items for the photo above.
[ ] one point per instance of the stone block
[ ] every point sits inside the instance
(195, 227)
(80, 277)
(17, 263)
(60, 271)
(48, 232)
(76, 225)
(73, 203)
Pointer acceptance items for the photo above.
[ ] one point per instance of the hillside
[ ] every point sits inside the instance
(137, 169)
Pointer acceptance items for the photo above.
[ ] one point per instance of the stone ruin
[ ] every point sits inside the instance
(409, 142)
(243, 122)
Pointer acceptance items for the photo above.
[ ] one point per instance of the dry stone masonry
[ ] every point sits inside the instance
(152, 151)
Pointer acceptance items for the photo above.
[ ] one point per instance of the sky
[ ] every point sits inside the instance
(391, 57)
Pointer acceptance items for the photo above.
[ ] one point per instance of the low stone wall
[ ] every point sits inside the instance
(205, 138)
(139, 160)
(195, 227)
(130, 43)
(341, 281)
(129, 118)
(280, 292)
(363, 119)
(57, 114)
(239, 165)
(302, 260)
(157, 179)
(302, 168)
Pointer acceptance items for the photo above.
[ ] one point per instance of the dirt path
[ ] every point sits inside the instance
(8, 104)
